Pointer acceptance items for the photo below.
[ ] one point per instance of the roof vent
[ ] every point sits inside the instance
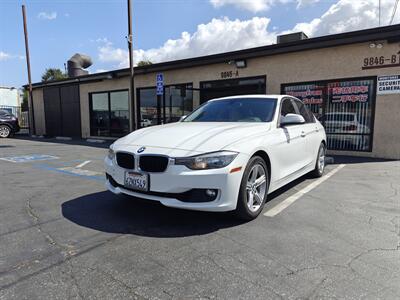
(77, 63)
(291, 37)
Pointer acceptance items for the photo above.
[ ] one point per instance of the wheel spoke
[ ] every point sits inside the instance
(260, 181)
(250, 200)
(254, 174)
(257, 197)
(248, 186)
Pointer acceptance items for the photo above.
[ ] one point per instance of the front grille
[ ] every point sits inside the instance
(125, 160)
(153, 163)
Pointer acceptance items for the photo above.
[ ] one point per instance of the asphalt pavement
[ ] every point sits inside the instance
(63, 236)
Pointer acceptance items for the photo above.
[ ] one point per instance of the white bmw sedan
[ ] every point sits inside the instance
(227, 155)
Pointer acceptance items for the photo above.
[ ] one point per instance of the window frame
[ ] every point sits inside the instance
(108, 92)
(325, 103)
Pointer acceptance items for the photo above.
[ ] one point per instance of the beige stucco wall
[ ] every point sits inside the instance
(318, 64)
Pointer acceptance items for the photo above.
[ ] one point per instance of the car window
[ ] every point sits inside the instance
(287, 107)
(3, 113)
(235, 110)
(305, 112)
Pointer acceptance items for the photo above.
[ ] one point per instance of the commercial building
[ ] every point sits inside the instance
(351, 81)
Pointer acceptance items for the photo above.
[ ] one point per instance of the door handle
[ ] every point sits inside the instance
(303, 134)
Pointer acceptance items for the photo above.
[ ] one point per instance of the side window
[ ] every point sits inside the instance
(287, 107)
(303, 110)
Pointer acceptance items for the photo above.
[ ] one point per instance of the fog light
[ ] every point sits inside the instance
(211, 193)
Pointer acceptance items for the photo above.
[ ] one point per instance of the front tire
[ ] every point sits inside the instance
(320, 163)
(253, 189)
(5, 131)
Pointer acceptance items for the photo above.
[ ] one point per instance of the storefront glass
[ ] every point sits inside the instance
(109, 113)
(176, 102)
(345, 108)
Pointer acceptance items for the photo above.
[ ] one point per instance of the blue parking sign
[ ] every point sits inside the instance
(160, 84)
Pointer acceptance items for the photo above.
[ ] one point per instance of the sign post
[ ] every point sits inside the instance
(160, 94)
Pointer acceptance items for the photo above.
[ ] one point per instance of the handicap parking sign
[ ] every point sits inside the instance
(160, 84)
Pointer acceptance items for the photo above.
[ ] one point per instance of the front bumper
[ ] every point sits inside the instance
(179, 179)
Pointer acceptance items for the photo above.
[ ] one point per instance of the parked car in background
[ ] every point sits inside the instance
(8, 124)
(227, 155)
(345, 127)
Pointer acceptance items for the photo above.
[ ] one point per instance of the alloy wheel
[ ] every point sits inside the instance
(4, 131)
(256, 187)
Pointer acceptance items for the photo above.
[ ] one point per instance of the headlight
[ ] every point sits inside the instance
(213, 160)
(111, 153)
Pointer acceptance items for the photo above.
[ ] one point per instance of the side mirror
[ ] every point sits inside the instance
(292, 119)
(182, 118)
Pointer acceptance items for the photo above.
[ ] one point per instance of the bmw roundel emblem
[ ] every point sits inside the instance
(141, 149)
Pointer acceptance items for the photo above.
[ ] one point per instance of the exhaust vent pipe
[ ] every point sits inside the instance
(77, 63)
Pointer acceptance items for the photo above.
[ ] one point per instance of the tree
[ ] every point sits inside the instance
(24, 104)
(143, 63)
(53, 74)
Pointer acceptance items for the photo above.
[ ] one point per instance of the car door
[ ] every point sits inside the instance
(310, 130)
(290, 149)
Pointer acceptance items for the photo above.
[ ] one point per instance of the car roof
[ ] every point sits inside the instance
(251, 96)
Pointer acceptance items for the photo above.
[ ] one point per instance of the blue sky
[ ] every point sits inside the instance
(60, 28)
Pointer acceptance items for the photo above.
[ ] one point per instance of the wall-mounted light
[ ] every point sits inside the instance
(241, 63)
(376, 45)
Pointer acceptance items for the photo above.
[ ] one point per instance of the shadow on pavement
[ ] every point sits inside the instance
(79, 142)
(107, 212)
(341, 159)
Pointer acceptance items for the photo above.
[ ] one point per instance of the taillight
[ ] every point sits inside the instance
(350, 128)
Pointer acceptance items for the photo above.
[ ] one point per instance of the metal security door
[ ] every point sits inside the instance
(52, 110)
(70, 111)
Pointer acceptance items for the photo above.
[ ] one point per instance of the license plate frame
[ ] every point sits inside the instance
(137, 181)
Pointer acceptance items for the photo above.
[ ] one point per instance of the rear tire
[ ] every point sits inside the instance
(320, 163)
(253, 189)
(5, 131)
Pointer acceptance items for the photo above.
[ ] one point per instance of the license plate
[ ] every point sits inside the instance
(136, 181)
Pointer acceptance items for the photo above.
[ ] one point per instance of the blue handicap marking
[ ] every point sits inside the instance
(29, 158)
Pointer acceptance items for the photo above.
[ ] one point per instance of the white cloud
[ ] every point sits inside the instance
(223, 35)
(67, 15)
(304, 3)
(4, 56)
(47, 15)
(349, 15)
(219, 35)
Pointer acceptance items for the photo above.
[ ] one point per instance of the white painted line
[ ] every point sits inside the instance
(288, 201)
(83, 164)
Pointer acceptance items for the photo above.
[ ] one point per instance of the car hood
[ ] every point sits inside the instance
(193, 137)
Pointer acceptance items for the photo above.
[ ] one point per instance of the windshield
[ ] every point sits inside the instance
(235, 110)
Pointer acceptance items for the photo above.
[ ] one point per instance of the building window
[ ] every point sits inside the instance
(176, 102)
(109, 113)
(344, 107)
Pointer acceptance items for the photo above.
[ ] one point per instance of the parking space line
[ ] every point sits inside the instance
(83, 164)
(288, 201)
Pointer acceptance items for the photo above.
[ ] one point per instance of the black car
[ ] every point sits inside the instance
(8, 124)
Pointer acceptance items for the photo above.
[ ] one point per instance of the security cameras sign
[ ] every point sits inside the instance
(388, 85)
(160, 84)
